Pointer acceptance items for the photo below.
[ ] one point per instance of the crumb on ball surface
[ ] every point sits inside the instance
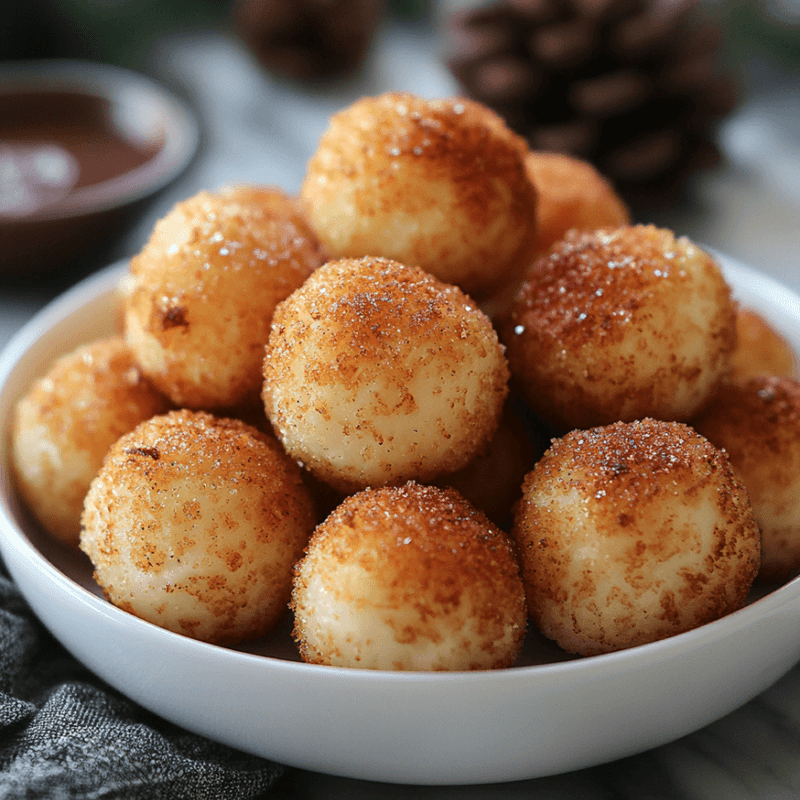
(377, 373)
(409, 578)
(436, 183)
(757, 422)
(194, 523)
(633, 532)
(66, 422)
(619, 325)
(204, 287)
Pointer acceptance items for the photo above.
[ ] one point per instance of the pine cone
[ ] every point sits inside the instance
(308, 39)
(633, 86)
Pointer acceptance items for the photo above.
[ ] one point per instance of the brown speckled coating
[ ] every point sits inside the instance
(633, 532)
(621, 324)
(194, 523)
(409, 578)
(204, 287)
(65, 423)
(377, 373)
(758, 423)
(439, 184)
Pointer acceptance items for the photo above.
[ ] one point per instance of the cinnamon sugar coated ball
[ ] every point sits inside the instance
(377, 373)
(440, 184)
(66, 422)
(758, 424)
(204, 289)
(760, 349)
(194, 523)
(633, 532)
(621, 324)
(409, 578)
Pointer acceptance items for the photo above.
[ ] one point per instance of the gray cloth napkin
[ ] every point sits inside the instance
(65, 734)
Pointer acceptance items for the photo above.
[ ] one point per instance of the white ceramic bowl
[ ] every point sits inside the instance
(549, 714)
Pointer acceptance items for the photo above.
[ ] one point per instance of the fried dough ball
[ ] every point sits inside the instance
(194, 523)
(377, 373)
(409, 578)
(440, 184)
(204, 289)
(492, 481)
(63, 426)
(633, 532)
(621, 324)
(758, 424)
(571, 194)
(760, 349)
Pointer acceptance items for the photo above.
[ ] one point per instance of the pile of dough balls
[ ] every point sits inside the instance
(194, 523)
(65, 423)
(320, 402)
(621, 324)
(439, 184)
(632, 532)
(376, 373)
(409, 578)
(205, 286)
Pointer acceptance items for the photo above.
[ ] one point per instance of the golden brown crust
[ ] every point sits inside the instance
(436, 183)
(757, 422)
(632, 532)
(378, 373)
(194, 523)
(409, 577)
(621, 324)
(205, 286)
(66, 422)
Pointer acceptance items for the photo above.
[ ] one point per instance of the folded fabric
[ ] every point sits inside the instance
(66, 734)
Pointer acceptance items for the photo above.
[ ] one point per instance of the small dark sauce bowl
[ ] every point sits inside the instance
(81, 145)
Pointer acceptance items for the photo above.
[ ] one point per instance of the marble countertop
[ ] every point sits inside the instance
(260, 130)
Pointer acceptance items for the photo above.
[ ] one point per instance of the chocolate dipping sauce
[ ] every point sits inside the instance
(55, 143)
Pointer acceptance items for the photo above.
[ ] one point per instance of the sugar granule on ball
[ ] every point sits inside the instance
(194, 523)
(376, 373)
(633, 532)
(440, 184)
(619, 325)
(409, 578)
(757, 422)
(66, 422)
(204, 287)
